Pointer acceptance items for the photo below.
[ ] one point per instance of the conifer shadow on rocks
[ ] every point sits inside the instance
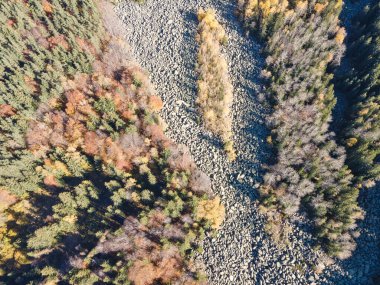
(363, 267)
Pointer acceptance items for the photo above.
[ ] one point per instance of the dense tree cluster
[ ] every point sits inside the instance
(214, 86)
(40, 41)
(92, 191)
(303, 39)
(362, 136)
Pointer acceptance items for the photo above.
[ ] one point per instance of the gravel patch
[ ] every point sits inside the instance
(161, 35)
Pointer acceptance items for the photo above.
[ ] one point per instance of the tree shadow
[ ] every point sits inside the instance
(363, 267)
(69, 244)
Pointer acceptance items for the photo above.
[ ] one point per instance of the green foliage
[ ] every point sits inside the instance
(83, 277)
(363, 89)
(35, 56)
(110, 120)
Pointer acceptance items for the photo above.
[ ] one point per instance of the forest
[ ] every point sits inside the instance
(303, 43)
(362, 87)
(96, 188)
(91, 188)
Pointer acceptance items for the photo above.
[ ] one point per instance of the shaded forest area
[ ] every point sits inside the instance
(362, 89)
(92, 191)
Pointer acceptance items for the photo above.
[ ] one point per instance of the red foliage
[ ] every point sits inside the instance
(123, 163)
(59, 40)
(129, 115)
(112, 152)
(73, 99)
(6, 110)
(91, 143)
(155, 103)
(31, 84)
(47, 7)
(157, 219)
(11, 22)
(123, 104)
(118, 101)
(164, 268)
(156, 133)
(85, 45)
(6, 199)
(169, 267)
(142, 273)
(50, 180)
(58, 121)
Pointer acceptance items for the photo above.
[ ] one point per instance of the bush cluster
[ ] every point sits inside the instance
(303, 40)
(92, 190)
(214, 86)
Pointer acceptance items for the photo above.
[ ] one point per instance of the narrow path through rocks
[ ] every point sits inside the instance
(161, 35)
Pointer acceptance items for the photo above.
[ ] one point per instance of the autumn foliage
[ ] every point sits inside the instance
(214, 86)
(303, 40)
(92, 190)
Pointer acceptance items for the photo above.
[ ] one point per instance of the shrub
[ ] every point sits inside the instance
(212, 211)
(214, 86)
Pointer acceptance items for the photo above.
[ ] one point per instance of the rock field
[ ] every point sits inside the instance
(161, 35)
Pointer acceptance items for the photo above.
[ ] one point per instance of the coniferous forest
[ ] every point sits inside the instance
(362, 86)
(303, 39)
(99, 186)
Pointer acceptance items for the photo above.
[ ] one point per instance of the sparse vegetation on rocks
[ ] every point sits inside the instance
(215, 91)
